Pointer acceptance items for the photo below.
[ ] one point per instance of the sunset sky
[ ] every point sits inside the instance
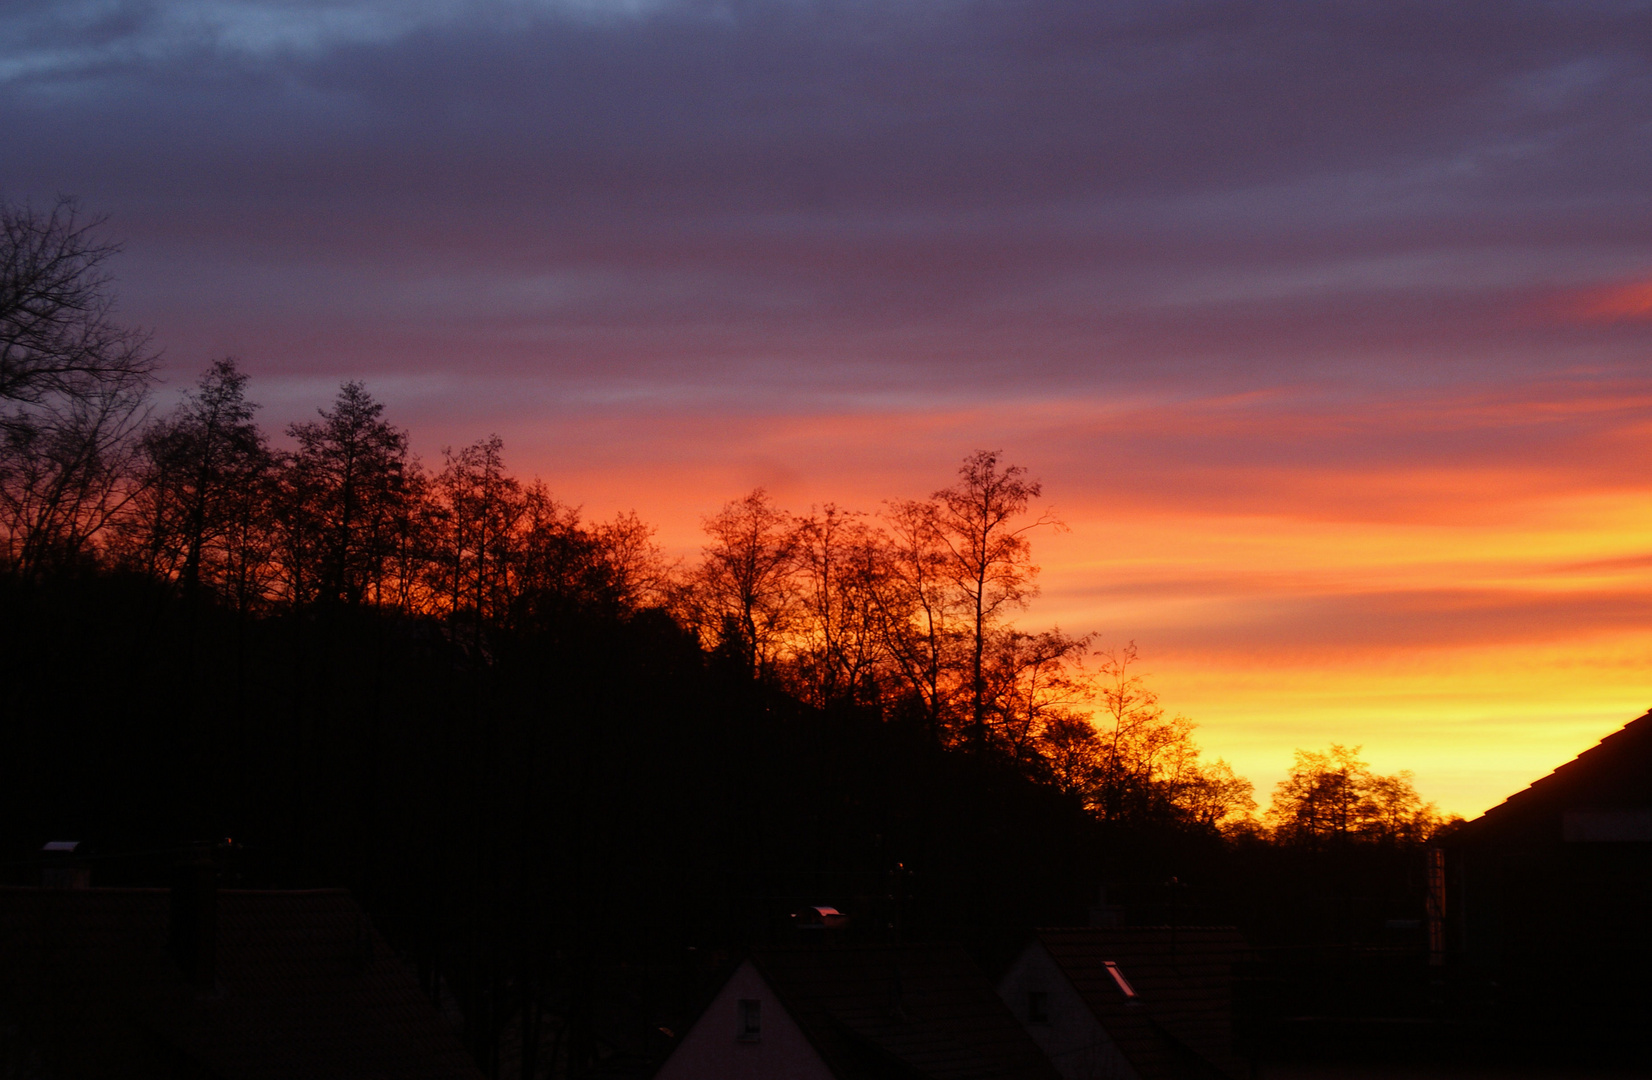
(1327, 326)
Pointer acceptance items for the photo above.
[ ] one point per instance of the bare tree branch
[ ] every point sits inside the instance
(57, 334)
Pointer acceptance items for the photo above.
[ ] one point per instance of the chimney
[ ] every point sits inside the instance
(192, 936)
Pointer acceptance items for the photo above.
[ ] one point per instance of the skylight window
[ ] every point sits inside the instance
(1118, 977)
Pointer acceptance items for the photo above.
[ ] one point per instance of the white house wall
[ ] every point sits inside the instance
(1072, 1038)
(713, 1050)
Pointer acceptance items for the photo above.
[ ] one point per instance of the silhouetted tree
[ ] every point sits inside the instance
(979, 519)
(1129, 718)
(1073, 755)
(206, 470)
(743, 594)
(72, 388)
(838, 644)
(476, 513)
(638, 577)
(58, 339)
(1215, 797)
(1146, 764)
(66, 472)
(1035, 682)
(920, 616)
(565, 568)
(1333, 797)
(350, 493)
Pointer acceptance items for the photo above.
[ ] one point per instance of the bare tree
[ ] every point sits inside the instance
(920, 615)
(200, 467)
(1035, 682)
(72, 388)
(1128, 710)
(249, 566)
(57, 335)
(838, 644)
(982, 521)
(637, 571)
(65, 474)
(743, 593)
(559, 564)
(1146, 765)
(478, 508)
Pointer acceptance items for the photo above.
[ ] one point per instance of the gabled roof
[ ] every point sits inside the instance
(1616, 772)
(304, 987)
(901, 1011)
(1180, 1024)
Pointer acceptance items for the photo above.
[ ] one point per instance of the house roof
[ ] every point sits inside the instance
(901, 1011)
(1614, 773)
(1179, 1024)
(304, 987)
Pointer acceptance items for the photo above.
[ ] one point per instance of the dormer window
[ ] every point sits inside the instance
(1038, 1007)
(750, 1020)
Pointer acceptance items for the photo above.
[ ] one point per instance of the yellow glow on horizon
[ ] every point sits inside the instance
(1476, 699)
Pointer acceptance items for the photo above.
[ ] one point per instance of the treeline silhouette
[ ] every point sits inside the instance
(906, 617)
(568, 777)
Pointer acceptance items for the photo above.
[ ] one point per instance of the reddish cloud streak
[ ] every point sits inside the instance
(1623, 303)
